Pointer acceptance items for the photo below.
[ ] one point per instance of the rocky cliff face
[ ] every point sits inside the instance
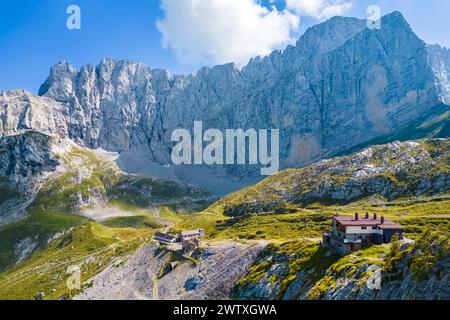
(340, 86)
(27, 160)
(22, 111)
(439, 60)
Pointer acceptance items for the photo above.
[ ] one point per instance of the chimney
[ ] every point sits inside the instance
(375, 217)
(356, 216)
(367, 215)
(382, 219)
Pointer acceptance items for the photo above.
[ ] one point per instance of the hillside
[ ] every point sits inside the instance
(302, 270)
(58, 186)
(394, 171)
(271, 231)
(89, 247)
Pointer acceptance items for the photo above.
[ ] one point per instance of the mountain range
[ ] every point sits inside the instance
(341, 86)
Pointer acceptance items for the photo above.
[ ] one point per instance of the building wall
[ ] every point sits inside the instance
(388, 234)
(190, 237)
(355, 233)
(165, 240)
(359, 230)
(339, 246)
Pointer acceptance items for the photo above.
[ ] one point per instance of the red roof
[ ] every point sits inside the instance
(348, 221)
(394, 226)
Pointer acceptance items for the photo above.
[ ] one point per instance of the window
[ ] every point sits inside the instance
(374, 228)
(364, 228)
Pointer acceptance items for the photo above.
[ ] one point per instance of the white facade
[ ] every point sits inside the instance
(360, 230)
(193, 234)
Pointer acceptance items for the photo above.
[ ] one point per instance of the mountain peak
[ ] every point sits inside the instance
(58, 72)
(63, 67)
(395, 15)
(396, 20)
(330, 34)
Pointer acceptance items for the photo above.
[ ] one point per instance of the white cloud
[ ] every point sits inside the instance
(319, 9)
(221, 31)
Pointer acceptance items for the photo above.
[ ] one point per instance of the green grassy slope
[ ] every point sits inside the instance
(288, 205)
(89, 246)
(60, 237)
(88, 179)
(390, 172)
(295, 266)
(415, 214)
(40, 226)
(85, 176)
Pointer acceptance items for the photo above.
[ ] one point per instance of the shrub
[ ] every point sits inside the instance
(429, 249)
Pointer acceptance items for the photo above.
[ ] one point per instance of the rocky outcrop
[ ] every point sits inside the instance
(155, 273)
(26, 156)
(418, 271)
(436, 287)
(26, 160)
(21, 111)
(321, 274)
(24, 248)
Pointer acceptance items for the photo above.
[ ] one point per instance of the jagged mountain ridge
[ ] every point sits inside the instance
(342, 85)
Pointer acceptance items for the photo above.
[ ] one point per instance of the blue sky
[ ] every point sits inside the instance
(33, 34)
